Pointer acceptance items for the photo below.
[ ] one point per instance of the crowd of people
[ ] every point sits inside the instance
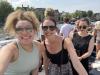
(63, 52)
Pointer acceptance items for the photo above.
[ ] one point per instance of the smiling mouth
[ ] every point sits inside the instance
(27, 37)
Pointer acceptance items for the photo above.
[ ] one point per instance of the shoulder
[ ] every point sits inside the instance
(10, 46)
(71, 34)
(36, 43)
(8, 49)
(67, 39)
(63, 26)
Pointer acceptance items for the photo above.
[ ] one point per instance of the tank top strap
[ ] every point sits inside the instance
(45, 45)
(63, 44)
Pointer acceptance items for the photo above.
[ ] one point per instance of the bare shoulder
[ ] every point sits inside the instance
(67, 40)
(68, 43)
(9, 47)
(8, 50)
(37, 44)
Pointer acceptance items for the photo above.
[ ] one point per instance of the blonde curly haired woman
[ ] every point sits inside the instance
(20, 57)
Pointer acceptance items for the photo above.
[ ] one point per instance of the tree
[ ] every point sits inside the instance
(66, 14)
(89, 13)
(5, 9)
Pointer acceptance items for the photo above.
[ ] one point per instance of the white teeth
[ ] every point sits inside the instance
(25, 37)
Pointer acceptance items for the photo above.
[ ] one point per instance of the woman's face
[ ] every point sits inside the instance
(83, 26)
(24, 31)
(49, 28)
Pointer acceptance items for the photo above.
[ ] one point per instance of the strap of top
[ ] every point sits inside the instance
(63, 44)
(45, 45)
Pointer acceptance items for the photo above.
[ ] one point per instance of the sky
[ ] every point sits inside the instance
(61, 5)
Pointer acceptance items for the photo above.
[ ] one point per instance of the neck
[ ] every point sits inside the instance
(50, 40)
(27, 47)
(83, 33)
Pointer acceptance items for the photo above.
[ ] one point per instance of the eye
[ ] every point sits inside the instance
(29, 29)
(18, 29)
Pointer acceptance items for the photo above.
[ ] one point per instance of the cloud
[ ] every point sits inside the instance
(18, 1)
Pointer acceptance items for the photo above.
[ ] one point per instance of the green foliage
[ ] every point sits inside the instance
(5, 9)
(89, 13)
(79, 14)
(67, 15)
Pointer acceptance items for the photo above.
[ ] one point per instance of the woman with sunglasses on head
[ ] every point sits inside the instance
(55, 50)
(83, 43)
(20, 57)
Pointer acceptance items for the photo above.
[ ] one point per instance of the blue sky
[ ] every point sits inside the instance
(61, 5)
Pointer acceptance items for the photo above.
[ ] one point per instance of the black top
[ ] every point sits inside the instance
(80, 43)
(58, 58)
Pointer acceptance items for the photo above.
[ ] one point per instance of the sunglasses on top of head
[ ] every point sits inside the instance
(45, 28)
(82, 27)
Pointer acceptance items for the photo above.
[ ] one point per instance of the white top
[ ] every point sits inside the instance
(66, 29)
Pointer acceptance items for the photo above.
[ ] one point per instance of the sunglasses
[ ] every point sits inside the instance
(19, 30)
(82, 27)
(45, 28)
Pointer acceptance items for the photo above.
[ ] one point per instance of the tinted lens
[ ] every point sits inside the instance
(82, 27)
(52, 28)
(45, 28)
(29, 29)
(18, 30)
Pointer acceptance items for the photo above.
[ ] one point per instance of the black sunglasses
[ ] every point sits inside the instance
(45, 28)
(82, 27)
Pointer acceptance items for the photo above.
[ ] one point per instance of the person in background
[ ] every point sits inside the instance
(66, 28)
(55, 50)
(83, 43)
(20, 57)
(75, 30)
(76, 25)
(96, 34)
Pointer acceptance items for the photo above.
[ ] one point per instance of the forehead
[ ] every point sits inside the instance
(48, 23)
(82, 23)
(23, 23)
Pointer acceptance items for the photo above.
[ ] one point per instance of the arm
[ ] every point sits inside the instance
(35, 71)
(71, 35)
(46, 63)
(90, 49)
(6, 55)
(45, 59)
(74, 58)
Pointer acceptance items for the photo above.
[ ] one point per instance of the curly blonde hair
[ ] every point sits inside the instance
(18, 15)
